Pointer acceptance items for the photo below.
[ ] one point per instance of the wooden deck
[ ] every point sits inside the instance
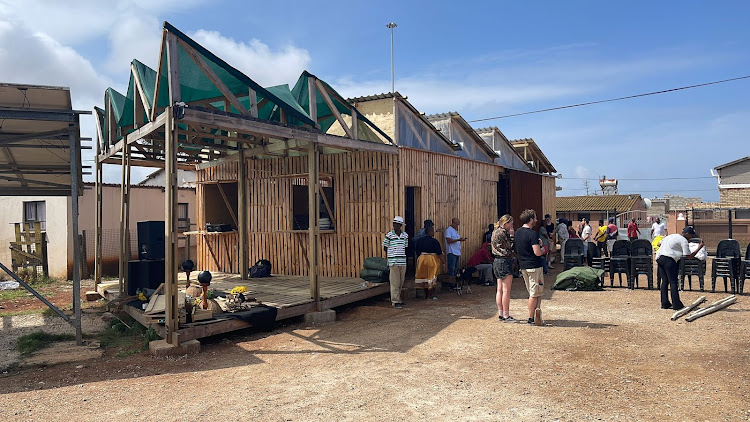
(289, 294)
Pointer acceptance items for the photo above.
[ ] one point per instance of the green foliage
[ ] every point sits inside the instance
(129, 340)
(12, 294)
(39, 340)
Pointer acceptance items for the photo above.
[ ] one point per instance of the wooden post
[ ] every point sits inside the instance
(75, 168)
(313, 205)
(313, 100)
(687, 309)
(98, 233)
(242, 210)
(170, 229)
(716, 306)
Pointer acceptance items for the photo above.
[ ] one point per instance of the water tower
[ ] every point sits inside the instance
(609, 186)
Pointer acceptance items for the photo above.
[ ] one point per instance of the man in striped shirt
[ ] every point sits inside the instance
(394, 245)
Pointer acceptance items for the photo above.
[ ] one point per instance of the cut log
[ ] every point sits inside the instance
(687, 309)
(711, 309)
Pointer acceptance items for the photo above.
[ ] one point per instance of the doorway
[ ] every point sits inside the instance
(412, 224)
(503, 194)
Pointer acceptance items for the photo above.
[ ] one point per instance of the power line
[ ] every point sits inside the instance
(647, 178)
(612, 99)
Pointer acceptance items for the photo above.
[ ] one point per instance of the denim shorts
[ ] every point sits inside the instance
(501, 267)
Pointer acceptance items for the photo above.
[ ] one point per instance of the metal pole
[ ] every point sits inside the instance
(74, 190)
(730, 223)
(393, 77)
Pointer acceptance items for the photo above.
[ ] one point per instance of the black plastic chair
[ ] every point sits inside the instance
(596, 260)
(573, 253)
(692, 267)
(745, 269)
(726, 264)
(641, 262)
(619, 262)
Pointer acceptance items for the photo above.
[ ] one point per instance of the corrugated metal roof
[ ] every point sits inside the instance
(597, 203)
(374, 97)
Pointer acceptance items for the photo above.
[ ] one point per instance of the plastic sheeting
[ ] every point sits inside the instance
(413, 132)
(508, 157)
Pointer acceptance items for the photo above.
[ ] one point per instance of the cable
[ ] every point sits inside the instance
(654, 178)
(612, 99)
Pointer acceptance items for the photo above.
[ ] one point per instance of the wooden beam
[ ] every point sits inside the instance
(355, 123)
(170, 232)
(223, 160)
(173, 62)
(141, 93)
(333, 108)
(242, 210)
(99, 214)
(159, 66)
(229, 206)
(313, 220)
(203, 66)
(327, 205)
(252, 97)
(150, 163)
(312, 100)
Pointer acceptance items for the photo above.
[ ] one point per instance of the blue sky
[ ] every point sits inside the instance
(481, 59)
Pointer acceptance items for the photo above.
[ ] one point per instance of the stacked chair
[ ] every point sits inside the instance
(641, 262)
(745, 269)
(691, 267)
(573, 253)
(597, 260)
(726, 264)
(619, 262)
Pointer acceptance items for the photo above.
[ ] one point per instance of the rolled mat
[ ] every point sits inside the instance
(376, 263)
(366, 273)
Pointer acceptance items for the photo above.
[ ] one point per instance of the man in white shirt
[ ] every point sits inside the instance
(658, 228)
(671, 249)
(562, 237)
(453, 246)
(586, 236)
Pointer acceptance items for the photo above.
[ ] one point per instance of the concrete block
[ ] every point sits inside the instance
(162, 348)
(329, 315)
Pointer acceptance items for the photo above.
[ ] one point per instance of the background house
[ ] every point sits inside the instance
(601, 207)
(734, 183)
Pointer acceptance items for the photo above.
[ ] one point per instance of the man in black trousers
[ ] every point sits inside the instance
(671, 249)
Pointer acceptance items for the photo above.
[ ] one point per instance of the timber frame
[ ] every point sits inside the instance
(197, 134)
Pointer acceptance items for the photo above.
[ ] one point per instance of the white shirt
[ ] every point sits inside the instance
(455, 247)
(586, 233)
(674, 246)
(660, 229)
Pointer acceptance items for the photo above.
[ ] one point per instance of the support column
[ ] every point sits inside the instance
(75, 168)
(170, 229)
(98, 230)
(123, 270)
(242, 211)
(314, 215)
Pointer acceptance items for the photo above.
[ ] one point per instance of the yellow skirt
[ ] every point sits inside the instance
(428, 268)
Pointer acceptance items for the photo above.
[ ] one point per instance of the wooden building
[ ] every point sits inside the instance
(302, 176)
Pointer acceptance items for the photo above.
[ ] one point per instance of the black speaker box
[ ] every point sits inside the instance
(147, 274)
(151, 240)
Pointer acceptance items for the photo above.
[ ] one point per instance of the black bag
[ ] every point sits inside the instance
(262, 268)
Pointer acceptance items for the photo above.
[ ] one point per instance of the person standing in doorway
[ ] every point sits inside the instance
(658, 228)
(633, 231)
(453, 246)
(394, 245)
(529, 250)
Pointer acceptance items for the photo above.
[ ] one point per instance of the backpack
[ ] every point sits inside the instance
(262, 268)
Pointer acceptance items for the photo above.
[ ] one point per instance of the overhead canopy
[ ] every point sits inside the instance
(37, 129)
(191, 77)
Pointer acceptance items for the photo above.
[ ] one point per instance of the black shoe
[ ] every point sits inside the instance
(667, 306)
(678, 307)
(530, 321)
(517, 275)
(398, 305)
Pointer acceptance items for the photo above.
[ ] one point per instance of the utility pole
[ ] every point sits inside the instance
(586, 186)
(393, 78)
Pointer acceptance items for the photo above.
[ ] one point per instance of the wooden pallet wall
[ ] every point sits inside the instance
(453, 187)
(363, 206)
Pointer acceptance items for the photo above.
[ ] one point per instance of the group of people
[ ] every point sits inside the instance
(503, 248)
(494, 260)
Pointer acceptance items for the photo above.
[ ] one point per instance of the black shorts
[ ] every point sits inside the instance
(502, 267)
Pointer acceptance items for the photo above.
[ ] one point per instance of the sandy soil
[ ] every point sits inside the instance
(610, 355)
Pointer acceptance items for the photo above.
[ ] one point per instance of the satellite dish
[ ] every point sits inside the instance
(647, 203)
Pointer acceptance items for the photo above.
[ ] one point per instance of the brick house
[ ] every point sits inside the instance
(734, 182)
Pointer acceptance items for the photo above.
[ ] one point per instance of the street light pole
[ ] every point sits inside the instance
(393, 78)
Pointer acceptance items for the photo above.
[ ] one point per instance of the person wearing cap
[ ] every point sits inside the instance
(671, 249)
(453, 246)
(394, 245)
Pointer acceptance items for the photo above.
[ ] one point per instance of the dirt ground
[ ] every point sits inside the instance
(609, 355)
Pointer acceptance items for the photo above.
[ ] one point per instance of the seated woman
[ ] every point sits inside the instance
(482, 262)
(430, 261)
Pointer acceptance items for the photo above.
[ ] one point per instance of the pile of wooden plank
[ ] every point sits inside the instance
(716, 306)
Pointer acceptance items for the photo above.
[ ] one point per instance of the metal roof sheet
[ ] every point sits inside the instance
(597, 203)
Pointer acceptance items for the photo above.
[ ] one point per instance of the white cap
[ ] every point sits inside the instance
(398, 219)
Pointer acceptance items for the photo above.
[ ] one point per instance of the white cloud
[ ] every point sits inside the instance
(256, 59)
